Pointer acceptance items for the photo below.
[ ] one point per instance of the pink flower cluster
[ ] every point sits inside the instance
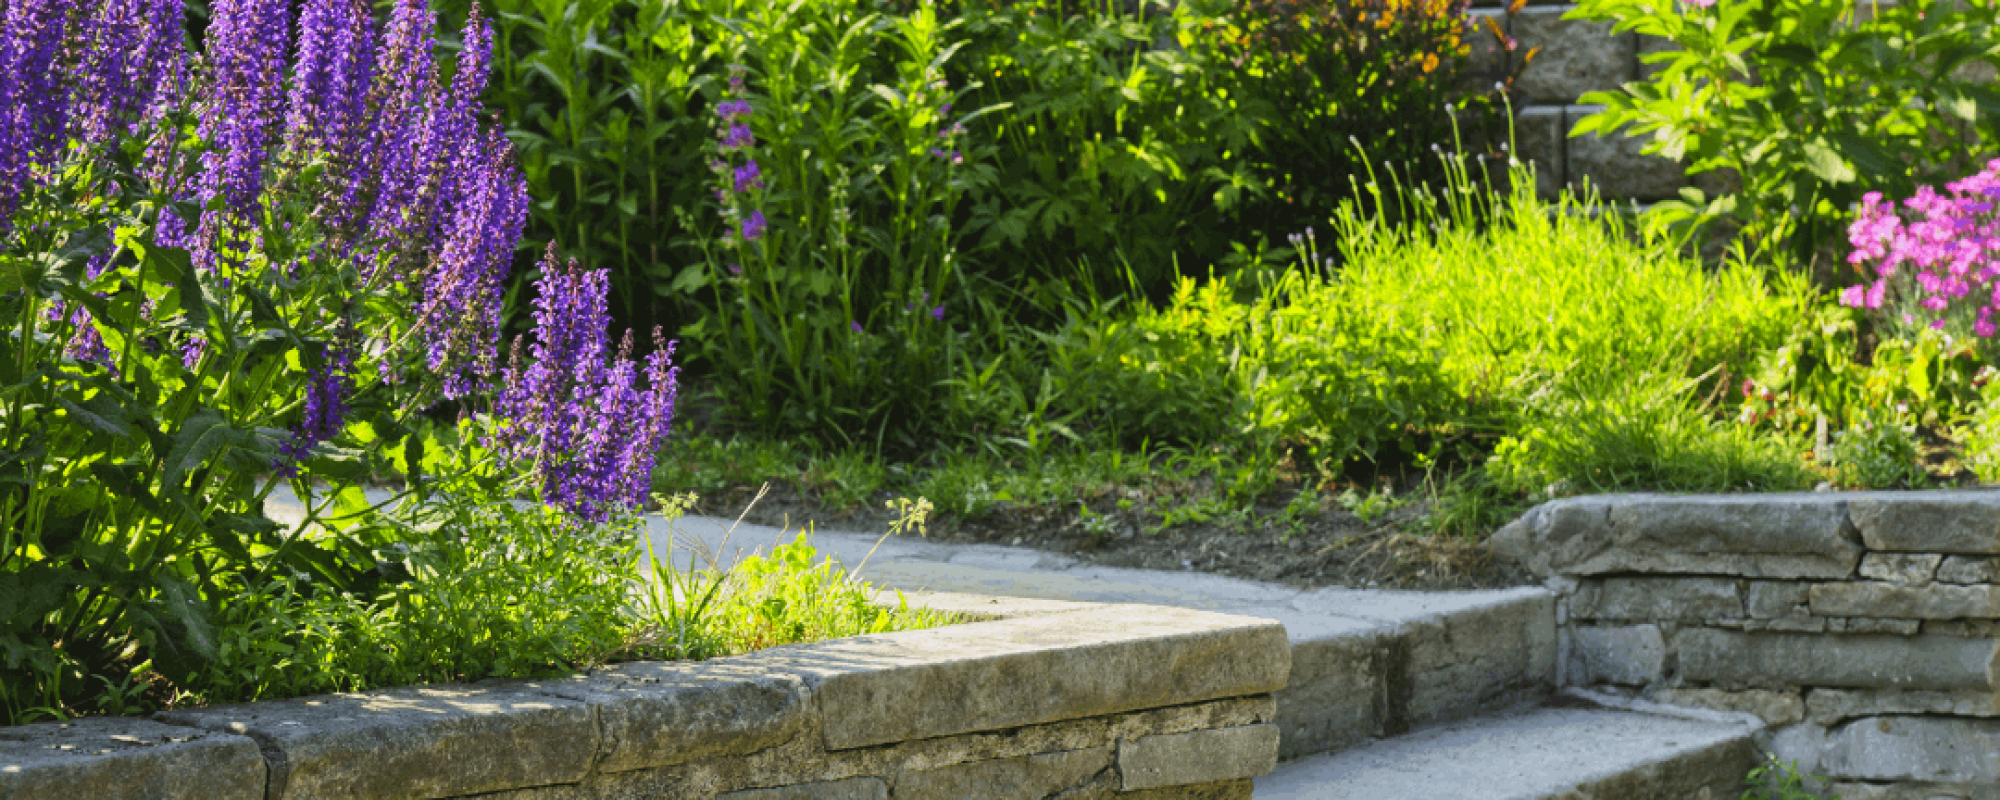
(1951, 253)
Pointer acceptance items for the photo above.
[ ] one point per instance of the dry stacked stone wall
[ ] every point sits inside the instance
(1075, 700)
(1862, 628)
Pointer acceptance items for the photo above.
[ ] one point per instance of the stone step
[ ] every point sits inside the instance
(1568, 746)
(1365, 664)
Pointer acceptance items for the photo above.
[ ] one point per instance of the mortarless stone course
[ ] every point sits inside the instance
(1867, 636)
(1905, 602)
(1182, 697)
(1576, 57)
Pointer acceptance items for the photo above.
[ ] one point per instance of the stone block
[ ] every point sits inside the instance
(1338, 695)
(1628, 656)
(1658, 599)
(656, 714)
(1963, 521)
(1774, 599)
(116, 759)
(1900, 748)
(1576, 56)
(907, 685)
(1906, 569)
(1899, 627)
(427, 741)
(1831, 707)
(1451, 666)
(1615, 168)
(1781, 660)
(864, 788)
(1198, 757)
(1715, 772)
(1774, 708)
(1937, 601)
(1021, 778)
(1541, 138)
(1801, 535)
(1969, 569)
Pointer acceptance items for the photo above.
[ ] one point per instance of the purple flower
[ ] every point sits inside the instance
(327, 390)
(336, 64)
(733, 110)
(246, 58)
(574, 413)
(738, 137)
(937, 314)
(753, 227)
(32, 111)
(748, 177)
(465, 287)
(856, 326)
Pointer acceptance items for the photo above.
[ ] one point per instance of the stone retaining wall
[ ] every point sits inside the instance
(1086, 701)
(1863, 628)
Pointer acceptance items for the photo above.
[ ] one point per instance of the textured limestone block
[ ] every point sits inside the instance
(1774, 599)
(657, 714)
(1760, 536)
(1026, 777)
(1628, 656)
(1965, 521)
(114, 759)
(1658, 599)
(1774, 708)
(994, 675)
(866, 788)
(1614, 165)
(1198, 757)
(1833, 706)
(1338, 695)
(1577, 56)
(1907, 569)
(1969, 569)
(427, 741)
(1541, 137)
(1937, 601)
(1899, 627)
(1898, 748)
(1781, 660)
(1452, 666)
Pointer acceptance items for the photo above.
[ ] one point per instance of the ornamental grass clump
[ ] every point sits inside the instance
(266, 260)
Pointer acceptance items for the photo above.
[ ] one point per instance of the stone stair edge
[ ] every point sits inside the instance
(856, 692)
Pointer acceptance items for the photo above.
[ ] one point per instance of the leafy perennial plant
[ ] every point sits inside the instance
(255, 263)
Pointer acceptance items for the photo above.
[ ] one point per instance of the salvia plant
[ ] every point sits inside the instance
(256, 261)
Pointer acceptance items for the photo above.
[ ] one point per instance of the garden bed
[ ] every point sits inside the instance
(1101, 700)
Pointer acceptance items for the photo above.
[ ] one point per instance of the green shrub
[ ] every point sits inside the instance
(1811, 102)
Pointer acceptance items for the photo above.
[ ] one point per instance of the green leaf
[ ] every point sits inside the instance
(100, 413)
(199, 438)
(1826, 163)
